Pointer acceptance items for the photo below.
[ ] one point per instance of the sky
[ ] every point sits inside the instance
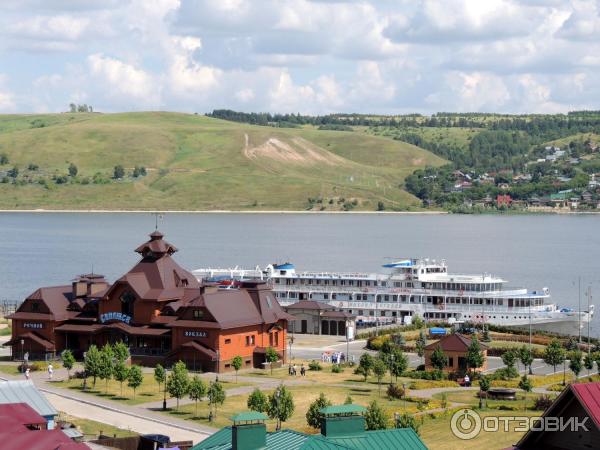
(311, 57)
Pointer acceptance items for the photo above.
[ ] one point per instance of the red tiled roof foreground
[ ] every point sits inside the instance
(15, 433)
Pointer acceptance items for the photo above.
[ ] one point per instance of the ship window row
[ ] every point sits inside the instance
(320, 282)
(469, 287)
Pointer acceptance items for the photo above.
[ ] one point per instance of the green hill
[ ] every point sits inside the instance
(198, 163)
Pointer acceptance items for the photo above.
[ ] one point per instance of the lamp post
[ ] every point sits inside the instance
(165, 392)
(291, 341)
(23, 352)
(392, 357)
(404, 395)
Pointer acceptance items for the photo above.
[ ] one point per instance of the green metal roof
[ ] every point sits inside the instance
(342, 409)
(393, 439)
(278, 440)
(248, 416)
(221, 437)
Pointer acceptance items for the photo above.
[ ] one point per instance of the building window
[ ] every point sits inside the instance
(228, 341)
(250, 340)
(227, 366)
(35, 306)
(451, 362)
(248, 362)
(198, 314)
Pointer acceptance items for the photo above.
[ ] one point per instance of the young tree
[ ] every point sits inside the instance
(398, 363)
(105, 369)
(236, 363)
(121, 351)
(575, 363)
(407, 421)
(272, 357)
(257, 401)
(509, 358)
(3, 159)
(91, 363)
(526, 385)
(439, 360)
(121, 373)
(159, 375)
(280, 405)
(375, 417)
(72, 170)
(379, 369)
(420, 344)
(68, 361)
(197, 391)
(484, 386)
(216, 396)
(475, 357)
(554, 354)
(348, 400)
(365, 365)
(526, 357)
(135, 378)
(178, 384)
(313, 415)
(588, 363)
(118, 172)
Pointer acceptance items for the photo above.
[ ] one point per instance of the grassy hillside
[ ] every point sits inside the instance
(198, 163)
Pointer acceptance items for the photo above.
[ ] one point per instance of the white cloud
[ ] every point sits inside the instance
(300, 55)
(61, 27)
(124, 80)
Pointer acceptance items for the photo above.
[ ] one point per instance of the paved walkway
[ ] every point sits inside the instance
(136, 418)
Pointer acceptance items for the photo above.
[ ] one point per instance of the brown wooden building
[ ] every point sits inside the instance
(160, 310)
(455, 346)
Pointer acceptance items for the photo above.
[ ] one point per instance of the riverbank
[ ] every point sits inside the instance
(225, 211)
(122, 211)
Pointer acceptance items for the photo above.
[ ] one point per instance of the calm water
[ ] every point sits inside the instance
(532, 251)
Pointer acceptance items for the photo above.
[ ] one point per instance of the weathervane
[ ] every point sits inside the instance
(157, 216)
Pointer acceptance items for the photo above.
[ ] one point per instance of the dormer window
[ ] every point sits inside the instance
(198, 314)
(35, 307)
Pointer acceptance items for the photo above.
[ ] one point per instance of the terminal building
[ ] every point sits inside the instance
(159, 310)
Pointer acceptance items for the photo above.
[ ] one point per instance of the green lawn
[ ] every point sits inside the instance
(437, 434)
(469, 397)
(91, 429)
(303, 396)
(147, 392)
(195, 162)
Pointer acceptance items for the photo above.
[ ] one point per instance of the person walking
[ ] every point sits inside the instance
(27, 374)
(50, 371)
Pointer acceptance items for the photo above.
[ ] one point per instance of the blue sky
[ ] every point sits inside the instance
(313, 57)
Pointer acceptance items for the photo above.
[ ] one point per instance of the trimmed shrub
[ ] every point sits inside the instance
(314, 365)
(395, 392)
(542, 402)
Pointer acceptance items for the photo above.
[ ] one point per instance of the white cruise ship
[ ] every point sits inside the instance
(413, 287)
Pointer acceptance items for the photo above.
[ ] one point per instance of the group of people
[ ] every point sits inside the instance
(292, 370)
(50, 372)
(335, 357)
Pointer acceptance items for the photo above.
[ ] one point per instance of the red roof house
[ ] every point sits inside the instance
(23, 428)
(577, 409)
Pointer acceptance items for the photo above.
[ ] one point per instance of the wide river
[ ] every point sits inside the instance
(41, 249)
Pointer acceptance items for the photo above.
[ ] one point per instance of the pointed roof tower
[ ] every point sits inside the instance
(156, 247)
(157, 276)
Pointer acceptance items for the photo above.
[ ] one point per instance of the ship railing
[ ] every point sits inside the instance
(389, 290)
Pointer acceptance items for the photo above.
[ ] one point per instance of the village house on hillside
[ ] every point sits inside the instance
(160, 310)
